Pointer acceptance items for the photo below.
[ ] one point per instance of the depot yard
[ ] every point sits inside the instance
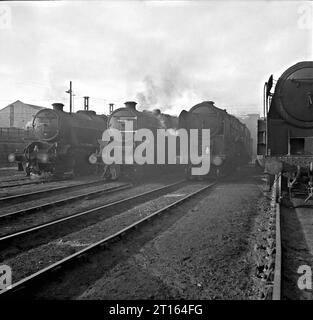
(202, 248)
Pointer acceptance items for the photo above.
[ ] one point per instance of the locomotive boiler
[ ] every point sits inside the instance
(285, 135)
(230, 140)
(128, 121)
(63, 141)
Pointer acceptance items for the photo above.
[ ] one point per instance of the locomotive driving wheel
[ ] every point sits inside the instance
(111, 172)
(115, 172)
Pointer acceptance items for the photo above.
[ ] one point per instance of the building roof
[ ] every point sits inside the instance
(26, 104)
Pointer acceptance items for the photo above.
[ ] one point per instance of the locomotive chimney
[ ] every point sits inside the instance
(111, 105)
(131, 105)
(86, 103)
(58, 106)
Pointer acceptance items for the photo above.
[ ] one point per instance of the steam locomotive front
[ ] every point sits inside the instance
(293, 96)
(124, 119)
(40, 155)
(46, 125)
(285, 135)
(125, 122)
(289, 114)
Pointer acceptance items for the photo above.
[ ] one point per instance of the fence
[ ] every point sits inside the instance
(12, 140)
(14, 133)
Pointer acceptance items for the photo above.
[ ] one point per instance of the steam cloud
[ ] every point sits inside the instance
(163, 89)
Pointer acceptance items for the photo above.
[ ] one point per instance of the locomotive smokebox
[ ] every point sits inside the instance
(131, 105)
(58, 106)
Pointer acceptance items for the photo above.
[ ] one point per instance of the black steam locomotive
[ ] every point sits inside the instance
(285, 135)
(63, 142)
(230, 140)
(152, 120)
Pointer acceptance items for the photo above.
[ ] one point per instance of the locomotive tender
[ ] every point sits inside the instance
(285, 135)
(230, 140)
(152, 120)
(63, 142)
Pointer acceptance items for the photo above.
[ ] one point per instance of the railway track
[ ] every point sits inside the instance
(17, 174)
(55, 203)
(21, 184)
(28, 196)
(275, 206)
(14, 179)
(17, 239)
(290, 225)
(28, 283)
(294, 226)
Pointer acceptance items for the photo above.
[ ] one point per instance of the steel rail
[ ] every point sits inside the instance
(13, 180)
(55, 203)
(14, 236)
(26, 183)
(42, 192)
(278, 248)
(31, 280)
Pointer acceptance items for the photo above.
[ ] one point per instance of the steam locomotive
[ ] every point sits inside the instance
(119, 120)
(63, 142)
(230, 140)
(285, 135)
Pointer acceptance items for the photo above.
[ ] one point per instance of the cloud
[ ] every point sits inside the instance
(165, 55)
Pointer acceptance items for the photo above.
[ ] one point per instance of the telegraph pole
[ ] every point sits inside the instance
(73, 95)
(70, 91)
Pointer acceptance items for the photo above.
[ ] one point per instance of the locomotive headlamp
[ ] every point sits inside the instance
(11, 157)
(217, 161)
(43, 157)
(93, 158)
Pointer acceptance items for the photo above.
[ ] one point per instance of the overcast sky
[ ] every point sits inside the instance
(169, 55)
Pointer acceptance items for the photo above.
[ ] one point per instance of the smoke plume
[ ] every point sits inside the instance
(163, 89)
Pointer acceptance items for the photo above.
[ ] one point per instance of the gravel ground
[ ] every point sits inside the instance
(201, 250)
(297, 249)
(263, 233)
(11, 175)
(10, 171)
(35, 218)
(31, 261)
(53, 196)
(44, 216)
(205, 255)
